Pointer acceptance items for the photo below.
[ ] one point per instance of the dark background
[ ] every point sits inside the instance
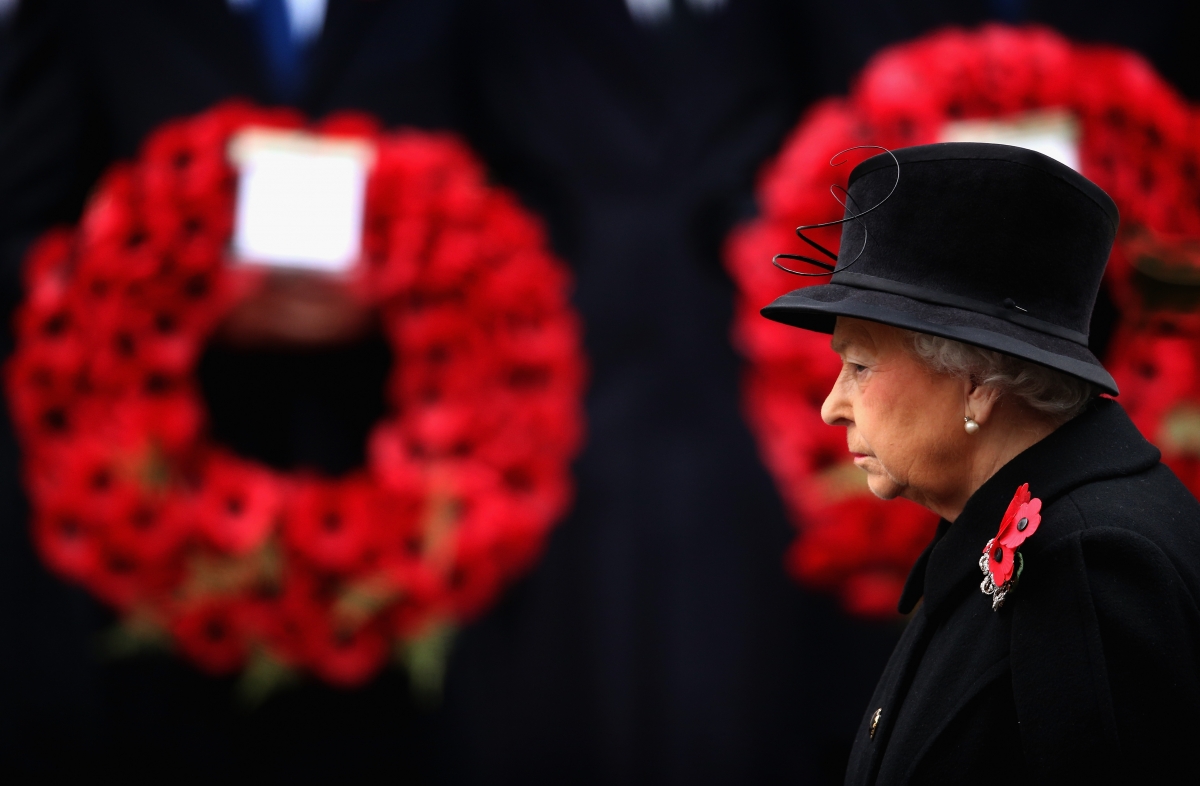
(659, 639)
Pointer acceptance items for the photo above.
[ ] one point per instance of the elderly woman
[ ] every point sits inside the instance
(1056, 637)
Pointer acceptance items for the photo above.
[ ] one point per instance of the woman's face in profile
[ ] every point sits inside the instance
(904, 423)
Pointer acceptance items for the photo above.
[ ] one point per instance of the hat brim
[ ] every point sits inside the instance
(818, 307)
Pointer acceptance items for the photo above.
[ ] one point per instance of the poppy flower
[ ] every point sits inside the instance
(392, 246)
(512, 229)
(393, 462)
(331, 524)
(47, 261)
(44, 399)
(148, 526)
(119, 579)
(527, 285)
(85, 474)
(444, 429)
(306, 630)
(211, 632)
(398, 534)
(281, 615)
(1154, 372)
(1021, 520)
(473, 580)
(142, 343)
(345, 656)
(539, 354)
(68, 542)
(422, 596)
(237, 504)
(168, 414)
(53, 330)
(503, 531)
(445, 353)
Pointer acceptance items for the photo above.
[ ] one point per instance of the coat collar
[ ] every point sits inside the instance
(1098, 444)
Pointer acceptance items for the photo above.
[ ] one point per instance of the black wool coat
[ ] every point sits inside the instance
(1090, 671)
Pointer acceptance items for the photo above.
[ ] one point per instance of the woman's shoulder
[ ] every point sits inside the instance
(1153, 494)
(1144, 518)
(1136, 536)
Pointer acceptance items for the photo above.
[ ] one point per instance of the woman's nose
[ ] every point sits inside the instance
(836, 409)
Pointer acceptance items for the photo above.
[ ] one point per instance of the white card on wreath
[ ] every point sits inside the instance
(300, 200)
(1054, 133)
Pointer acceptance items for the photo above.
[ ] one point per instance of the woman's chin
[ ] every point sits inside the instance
(883, 486)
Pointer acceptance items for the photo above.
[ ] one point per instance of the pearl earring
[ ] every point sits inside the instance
(970, 425)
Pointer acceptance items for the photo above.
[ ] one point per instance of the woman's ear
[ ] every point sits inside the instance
(980, 401)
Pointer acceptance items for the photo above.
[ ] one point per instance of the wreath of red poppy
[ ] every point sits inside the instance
(239, 565)
(1138, 141)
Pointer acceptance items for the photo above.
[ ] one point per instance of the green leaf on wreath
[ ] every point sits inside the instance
(262, 677)
(424, 658)
(211, 574)
(362, 600)
(1180, 430)
(1166, 268)
(134, 635)
(155, 471)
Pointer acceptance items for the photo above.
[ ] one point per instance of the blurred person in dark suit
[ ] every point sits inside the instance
(296, 379)
(658, 640)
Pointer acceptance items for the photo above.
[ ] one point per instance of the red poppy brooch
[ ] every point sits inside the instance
(1000, 563)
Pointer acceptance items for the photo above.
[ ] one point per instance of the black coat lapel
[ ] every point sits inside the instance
(347, 24)
(222, 40)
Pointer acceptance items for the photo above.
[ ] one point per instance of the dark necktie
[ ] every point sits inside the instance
(283, 55)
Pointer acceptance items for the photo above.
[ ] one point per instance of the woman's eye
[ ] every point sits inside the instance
(857, 368)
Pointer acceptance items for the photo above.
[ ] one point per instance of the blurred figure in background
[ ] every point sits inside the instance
(659, 639)
(295, 381)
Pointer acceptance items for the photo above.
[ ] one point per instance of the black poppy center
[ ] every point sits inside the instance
(235, 505)
(215, 630)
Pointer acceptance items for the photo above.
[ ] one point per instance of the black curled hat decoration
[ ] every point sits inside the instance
(995, 246)
(827, 268)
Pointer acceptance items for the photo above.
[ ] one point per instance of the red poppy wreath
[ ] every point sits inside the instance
(240, 566)
(1137, 138)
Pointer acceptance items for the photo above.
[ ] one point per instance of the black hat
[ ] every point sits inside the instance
(991, 245)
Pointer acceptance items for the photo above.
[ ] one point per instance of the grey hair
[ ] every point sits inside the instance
(1043, 389)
